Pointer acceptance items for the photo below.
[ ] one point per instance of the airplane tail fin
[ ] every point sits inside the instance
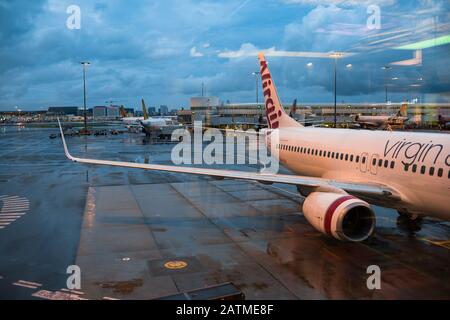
(123, 114)
(144, 110)
(403, 112)
(293, 109)
(276, 115)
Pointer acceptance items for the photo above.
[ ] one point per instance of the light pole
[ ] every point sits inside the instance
(84, 64)
(386, 69)
(256, 74)
(335, 56)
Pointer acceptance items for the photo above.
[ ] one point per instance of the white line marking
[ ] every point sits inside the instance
(16, 203)
(2, 227)
(30, 283)
(15, 206)
(72, 291)
(24, 285)
(6, 220)
(109, 298)
(57, 295)
(12, 214)
(11, 210)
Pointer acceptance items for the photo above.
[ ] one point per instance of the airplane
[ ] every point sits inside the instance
(133, 121)
(341, 172)
(160, 126)
(382, 122)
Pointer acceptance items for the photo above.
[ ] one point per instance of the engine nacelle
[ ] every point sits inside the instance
(339, 215)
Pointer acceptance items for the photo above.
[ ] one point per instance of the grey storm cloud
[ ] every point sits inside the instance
(163, 51)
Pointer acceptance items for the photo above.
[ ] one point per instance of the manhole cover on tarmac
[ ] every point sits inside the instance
(174, 266)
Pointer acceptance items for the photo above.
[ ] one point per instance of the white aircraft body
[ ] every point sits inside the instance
(383, 121)
(132, 120)
(341, 171)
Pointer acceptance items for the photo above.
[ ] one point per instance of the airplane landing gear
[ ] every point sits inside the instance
(409, 216)
(411, 223)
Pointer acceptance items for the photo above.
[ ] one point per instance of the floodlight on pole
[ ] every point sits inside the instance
(85, 64)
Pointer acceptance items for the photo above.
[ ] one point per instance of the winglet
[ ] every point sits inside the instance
(66, 151)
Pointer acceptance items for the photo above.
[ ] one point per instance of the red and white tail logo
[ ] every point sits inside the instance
(276, 116)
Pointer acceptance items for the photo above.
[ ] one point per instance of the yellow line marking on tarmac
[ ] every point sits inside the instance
(440, 243)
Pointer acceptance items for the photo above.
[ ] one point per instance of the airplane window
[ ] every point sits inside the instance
(332, 155)
(392, 164)
(320, 153)
(414, 168)
(422, 170)
(374, 161)
(380, 162)
(406, 167)
(386, 163)
(301, 150)
(448, 174)
(440, 172)
(328, 154)
(346, 157)
(363, 160)
(351, 157)
(342, 156)
(431, 172)
(337, 155)
(357, 159)
(316, 152)
(309, 150)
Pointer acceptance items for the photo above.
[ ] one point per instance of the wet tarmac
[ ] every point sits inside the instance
(142, 235)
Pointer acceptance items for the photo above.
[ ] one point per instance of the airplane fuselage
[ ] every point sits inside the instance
(417, 165)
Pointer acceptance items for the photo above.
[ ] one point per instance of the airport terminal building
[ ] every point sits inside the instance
(212, 112)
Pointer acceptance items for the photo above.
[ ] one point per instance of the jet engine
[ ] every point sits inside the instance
(339, 215)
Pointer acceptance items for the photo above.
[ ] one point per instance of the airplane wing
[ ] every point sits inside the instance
(370, 190)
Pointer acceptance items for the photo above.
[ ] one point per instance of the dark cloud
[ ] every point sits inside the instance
(140, 49)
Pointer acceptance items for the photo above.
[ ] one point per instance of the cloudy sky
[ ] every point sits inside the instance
(164, 50)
